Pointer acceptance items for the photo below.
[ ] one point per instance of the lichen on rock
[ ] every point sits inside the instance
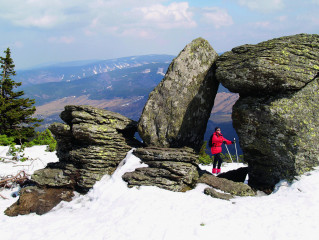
(178, 109)
(92, 144)
(277, 65)
(276, 116)
(173, 169)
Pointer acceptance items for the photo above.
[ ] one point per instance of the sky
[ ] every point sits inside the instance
(50, 31)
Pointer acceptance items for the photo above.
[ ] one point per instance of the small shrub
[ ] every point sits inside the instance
(204, 158)
(227, 159)
(6, 141)
(17, 152)
(44, 138)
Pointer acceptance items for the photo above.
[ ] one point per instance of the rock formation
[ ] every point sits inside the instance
(178, 109)
(94, 141)
(173, 169)
(174, 120)
(173, 123)
(276, 117)
(92, 144)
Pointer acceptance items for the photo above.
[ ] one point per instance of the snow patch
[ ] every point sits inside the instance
(111, 210)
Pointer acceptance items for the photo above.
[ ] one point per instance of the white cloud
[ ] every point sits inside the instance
(139, 33)
(264, 24)
(262, 5)
(34, 13)
(45, 21)
(97, 16)
(175, 15)
(62, 39)
(218, 17)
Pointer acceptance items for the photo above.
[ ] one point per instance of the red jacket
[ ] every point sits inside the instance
(217, 141)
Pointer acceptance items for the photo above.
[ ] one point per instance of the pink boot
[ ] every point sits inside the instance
(218, 170)
(214, 170)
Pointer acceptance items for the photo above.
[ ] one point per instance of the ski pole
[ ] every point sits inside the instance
(229, 153)
(236, 150)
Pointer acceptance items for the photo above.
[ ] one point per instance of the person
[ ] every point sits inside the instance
(217, 141)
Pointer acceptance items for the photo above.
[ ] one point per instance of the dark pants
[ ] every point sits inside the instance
(217, 159)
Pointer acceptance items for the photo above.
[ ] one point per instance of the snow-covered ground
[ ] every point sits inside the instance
(113, 211)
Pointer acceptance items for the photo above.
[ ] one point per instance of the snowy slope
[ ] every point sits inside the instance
(113, 211)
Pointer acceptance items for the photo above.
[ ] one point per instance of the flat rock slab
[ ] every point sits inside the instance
(171, 169)
(227, 186)
(278, 65)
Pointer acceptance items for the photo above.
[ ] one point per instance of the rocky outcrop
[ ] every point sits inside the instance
(173, 123)
(276, 117)
(92, 143)
(278, 65)
(173, 169)
(178, 109)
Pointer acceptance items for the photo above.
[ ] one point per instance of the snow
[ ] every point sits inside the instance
(113, 211)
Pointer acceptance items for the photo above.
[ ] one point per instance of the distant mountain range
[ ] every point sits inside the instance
(121, 85)
(70, 71)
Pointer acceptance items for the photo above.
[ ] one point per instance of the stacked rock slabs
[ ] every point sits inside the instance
(92, 143)
(276, 116)
(95, 141)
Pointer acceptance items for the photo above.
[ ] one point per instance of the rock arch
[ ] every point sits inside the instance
(276, 116)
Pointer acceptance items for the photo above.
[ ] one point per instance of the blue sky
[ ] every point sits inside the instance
(44, 31)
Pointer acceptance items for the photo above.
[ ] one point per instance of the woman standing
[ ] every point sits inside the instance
(217, 141)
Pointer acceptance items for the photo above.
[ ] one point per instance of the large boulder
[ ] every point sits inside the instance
(178, 109)
(278, 65)
(276, 117)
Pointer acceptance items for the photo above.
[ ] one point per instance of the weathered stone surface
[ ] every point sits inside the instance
(52, 177)
(178, 109)
(213, 193)
(276, 116)
(279, 135)
(38, 200)
(233, 188)
(171, 169)
(278, 65)
(94, 142)
(164, 154)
